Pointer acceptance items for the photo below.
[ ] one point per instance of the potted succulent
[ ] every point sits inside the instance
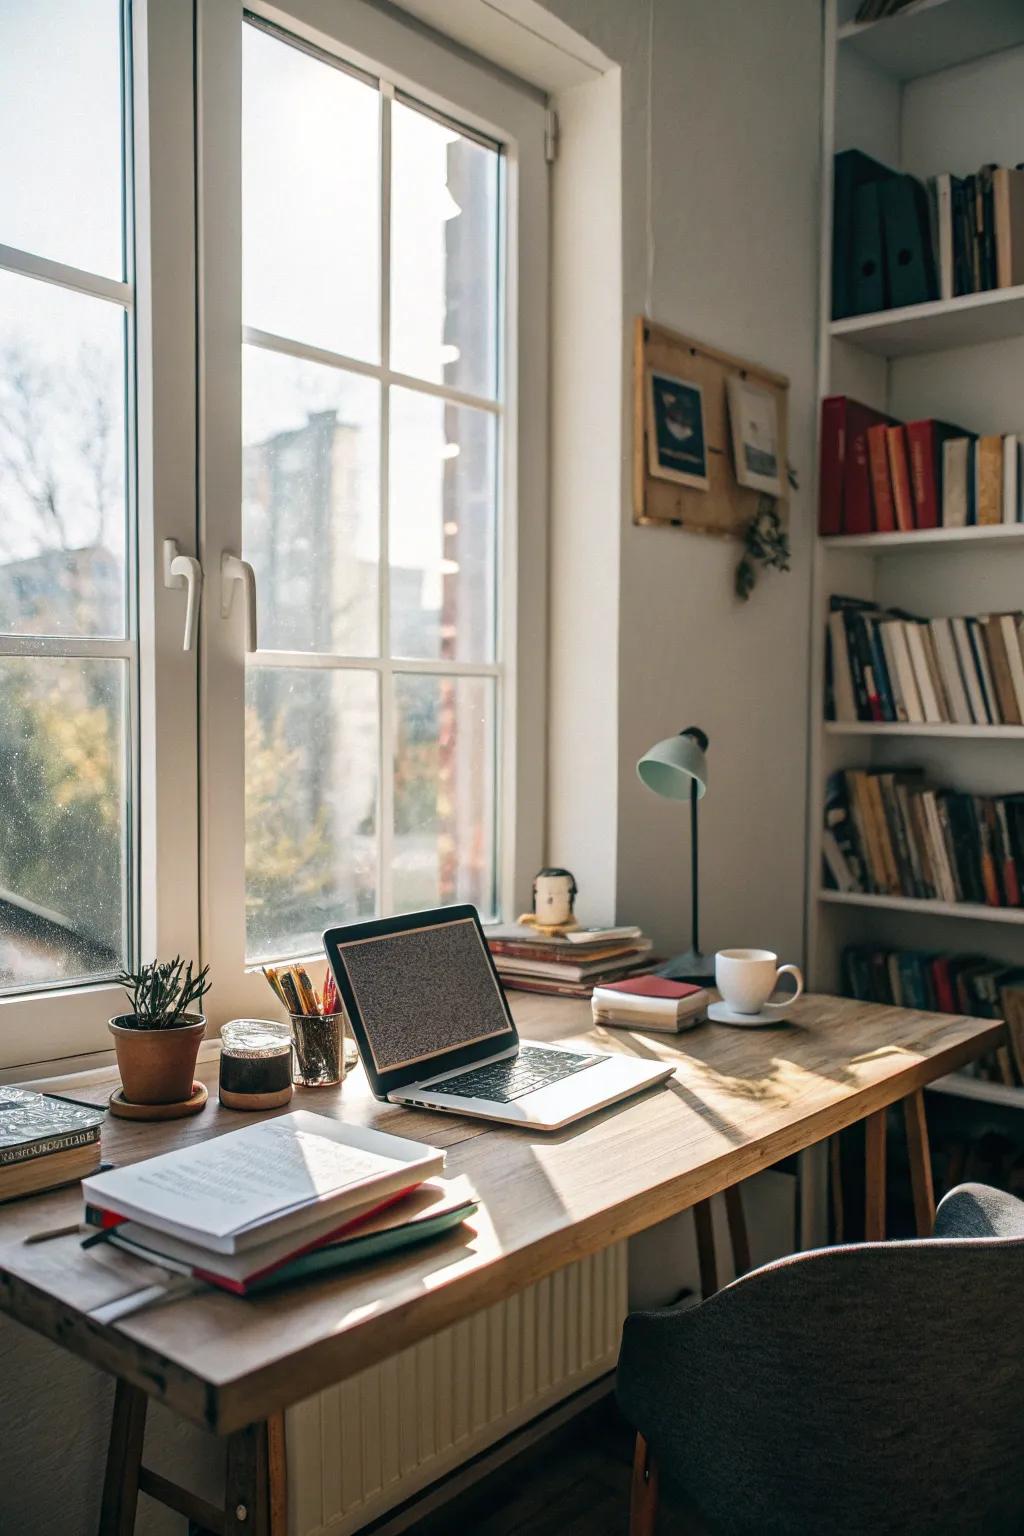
(158, 1041)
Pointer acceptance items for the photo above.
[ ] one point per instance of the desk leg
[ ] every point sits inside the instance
(706, 1248)
(919, 1155)
(738, 1234)
(874, 1178)
(246, 1500)
(124, 1460)
(812, 1196)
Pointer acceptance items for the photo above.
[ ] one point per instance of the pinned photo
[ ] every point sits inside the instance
(676, 441)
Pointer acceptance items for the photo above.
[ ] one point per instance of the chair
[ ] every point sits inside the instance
(863, 1388)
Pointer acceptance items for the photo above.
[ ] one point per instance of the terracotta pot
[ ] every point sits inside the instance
(157, 1066)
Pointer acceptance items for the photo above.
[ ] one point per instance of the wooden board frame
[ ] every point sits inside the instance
(726, 508)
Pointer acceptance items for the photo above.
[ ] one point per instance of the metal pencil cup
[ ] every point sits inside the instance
(318, 1059)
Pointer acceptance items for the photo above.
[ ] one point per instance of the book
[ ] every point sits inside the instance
(1012, 625)
(941, 187)
(999, 665)
(36, 1124)
(949, 667)
(564, 970)
(499, 935)
(1008, 203)
(433, 1208)
(45, 1141)
(262, 1182)
(899, 474)
(989, 480)
(1011, 478)
(925, 443)
(957, 477)
(845, 493)
(653, 1002)
(883, 506)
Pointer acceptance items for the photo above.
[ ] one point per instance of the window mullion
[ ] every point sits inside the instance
(386, 702)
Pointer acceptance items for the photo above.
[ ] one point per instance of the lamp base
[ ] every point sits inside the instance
(689, 966)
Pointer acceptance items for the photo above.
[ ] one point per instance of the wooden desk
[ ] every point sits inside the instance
(739, 1101)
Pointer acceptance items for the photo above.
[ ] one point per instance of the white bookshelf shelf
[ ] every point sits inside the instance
(944, 732)
(966, 911)
(938, 326)
(925, 538)
(934, 35)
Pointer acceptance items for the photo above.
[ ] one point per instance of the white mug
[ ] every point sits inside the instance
(747, 978)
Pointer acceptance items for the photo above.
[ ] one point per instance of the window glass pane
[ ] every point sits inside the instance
(311, 751)
(444, 792)
(60, 125)
(62, 461)
(444, 254)
(310, 200)
(63, 837)
(311, 463)
(442, 532)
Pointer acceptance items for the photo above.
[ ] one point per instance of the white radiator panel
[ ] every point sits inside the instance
(358, 1449)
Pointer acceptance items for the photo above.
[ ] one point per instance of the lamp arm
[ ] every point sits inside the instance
(694, 864)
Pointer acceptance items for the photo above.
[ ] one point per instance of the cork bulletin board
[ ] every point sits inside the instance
(725, 508)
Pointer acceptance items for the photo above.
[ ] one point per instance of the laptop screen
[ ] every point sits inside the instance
(421, 991)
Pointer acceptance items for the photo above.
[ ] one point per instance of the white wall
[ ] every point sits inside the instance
(736, 134)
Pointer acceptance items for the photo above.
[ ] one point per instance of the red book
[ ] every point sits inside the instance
(899, 474)
(845, 498)
(833, 454)
(943, 982)
(652, 986)
(924, 449)
(881, 485)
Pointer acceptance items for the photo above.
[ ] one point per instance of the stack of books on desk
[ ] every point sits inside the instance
(278, 1201)
(650, 1003)
(45, 1142)
(569, 964)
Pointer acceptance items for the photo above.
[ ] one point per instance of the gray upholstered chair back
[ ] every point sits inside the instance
(856, 1389)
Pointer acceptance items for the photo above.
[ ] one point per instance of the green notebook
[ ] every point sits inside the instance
(356, 1250)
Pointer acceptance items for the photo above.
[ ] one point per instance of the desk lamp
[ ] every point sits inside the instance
(677, 769)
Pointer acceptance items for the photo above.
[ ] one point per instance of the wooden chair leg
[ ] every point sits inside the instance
(124, 1460)
(277, 1473)
(920, 1158)
(705, 1248)
(247, 1486)
(874, 1178)
(643, 1498)
(738, 1234)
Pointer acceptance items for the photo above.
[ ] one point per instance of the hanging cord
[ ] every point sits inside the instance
(649, 285)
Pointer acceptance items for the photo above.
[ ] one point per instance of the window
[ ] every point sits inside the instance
(68, 654)
(372, 422)
(275, 297)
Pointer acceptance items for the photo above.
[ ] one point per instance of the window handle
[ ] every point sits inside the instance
(185, 571)
(233, 569)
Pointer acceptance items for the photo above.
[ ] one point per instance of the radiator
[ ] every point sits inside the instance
(359, 1449)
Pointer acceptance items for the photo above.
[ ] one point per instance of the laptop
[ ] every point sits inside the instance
(434, 1029)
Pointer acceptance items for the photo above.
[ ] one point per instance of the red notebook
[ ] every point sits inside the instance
(652, 986)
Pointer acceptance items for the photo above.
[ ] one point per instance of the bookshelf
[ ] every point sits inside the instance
(938, 88)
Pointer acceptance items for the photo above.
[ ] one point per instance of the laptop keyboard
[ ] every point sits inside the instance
(515, 1076)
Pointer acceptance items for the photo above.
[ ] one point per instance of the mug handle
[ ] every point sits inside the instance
(795, 972)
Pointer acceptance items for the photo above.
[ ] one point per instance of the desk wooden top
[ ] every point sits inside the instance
(739, 1100)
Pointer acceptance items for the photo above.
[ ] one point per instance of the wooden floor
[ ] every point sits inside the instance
(573, 1483)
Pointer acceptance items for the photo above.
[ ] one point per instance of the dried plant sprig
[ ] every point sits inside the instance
(161, 992)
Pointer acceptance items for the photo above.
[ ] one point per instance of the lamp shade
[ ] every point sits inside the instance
(671, 766)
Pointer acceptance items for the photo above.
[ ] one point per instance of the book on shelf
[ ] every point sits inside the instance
(899, 241)
(650, 1002)
(298, 1173)
(891, 833)
(887, 666)
(45, 1141)
(569, 965)
(942, 983)
(879, 475)
(401, 1222)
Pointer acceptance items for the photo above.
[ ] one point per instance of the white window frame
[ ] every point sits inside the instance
(62, 1023)
(404, 60)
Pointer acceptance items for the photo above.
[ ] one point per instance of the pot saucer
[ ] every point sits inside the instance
(721, 1013)
(124, 1109)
